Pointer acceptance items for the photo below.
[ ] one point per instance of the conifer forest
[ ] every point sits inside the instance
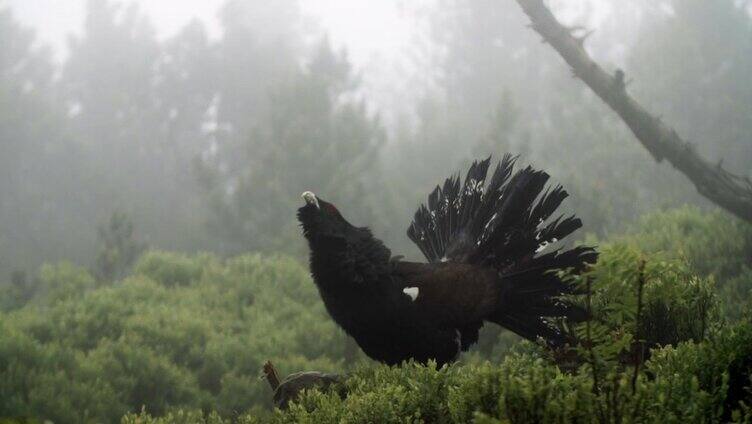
(353, 211)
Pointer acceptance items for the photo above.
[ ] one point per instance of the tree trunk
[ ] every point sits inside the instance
(728, 191)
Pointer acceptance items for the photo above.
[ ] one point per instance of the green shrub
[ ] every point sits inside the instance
(54, 282)
(721, 365)
(714, 244)
(60, 282)
(678, 316)
(636, 298)
(183, 339)
(688, 383)
(170, 269)
(182, 332)
(118, 248)
(522, 389)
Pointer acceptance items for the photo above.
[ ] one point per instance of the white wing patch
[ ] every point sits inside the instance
(412, 292)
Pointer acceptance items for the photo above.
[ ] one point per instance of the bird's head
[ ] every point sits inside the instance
(321, 219)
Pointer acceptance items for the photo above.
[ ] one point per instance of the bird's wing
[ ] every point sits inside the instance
(451, 293)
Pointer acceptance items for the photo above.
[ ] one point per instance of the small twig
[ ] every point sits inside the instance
(593, 360)
(582, 38)
(589, 336)
(615, 401)
(703, 322)
(640, 353)
(271, 375)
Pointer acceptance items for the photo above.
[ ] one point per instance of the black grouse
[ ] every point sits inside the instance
(485, 242)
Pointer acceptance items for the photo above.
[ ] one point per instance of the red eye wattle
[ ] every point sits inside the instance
(331, 208)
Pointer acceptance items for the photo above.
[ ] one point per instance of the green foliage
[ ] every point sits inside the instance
(184, 338)
(698, 371)
(268, 118)
(713, 244)
(118, 248)
(188, 332)
(523, 389)
(53, 283)
(171, 269)
(686, 383)
(63, 281)
(722, 365)
(673, 304)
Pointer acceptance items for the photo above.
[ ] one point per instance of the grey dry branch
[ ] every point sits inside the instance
(731, 192)
(271, 375)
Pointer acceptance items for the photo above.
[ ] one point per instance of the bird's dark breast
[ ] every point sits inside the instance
(364, 295)
(386, 325)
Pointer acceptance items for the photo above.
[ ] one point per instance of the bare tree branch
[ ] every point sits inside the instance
(271, 375)
(729, 191)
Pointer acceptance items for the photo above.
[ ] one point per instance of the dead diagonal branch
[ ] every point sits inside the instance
(727, 190)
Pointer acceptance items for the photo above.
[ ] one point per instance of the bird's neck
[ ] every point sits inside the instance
(327, 260)
(353, 261)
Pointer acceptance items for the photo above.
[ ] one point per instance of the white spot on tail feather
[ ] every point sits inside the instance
(544, 244)
(412, 292)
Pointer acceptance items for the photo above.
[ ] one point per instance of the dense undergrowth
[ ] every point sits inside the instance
(183, 338)
(689, 383)
(182, 331)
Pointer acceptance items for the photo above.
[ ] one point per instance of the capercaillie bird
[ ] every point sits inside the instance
(486, 242)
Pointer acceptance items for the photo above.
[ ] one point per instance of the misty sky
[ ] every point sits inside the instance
(358, 24)
(377, 34)
(380, 36)
(453, 78)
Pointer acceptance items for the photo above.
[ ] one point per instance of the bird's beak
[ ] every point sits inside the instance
(310, 199)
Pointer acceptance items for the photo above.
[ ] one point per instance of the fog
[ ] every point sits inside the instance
(153, 154)
(202, 121)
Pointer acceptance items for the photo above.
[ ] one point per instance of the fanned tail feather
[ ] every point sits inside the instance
(506, 223)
